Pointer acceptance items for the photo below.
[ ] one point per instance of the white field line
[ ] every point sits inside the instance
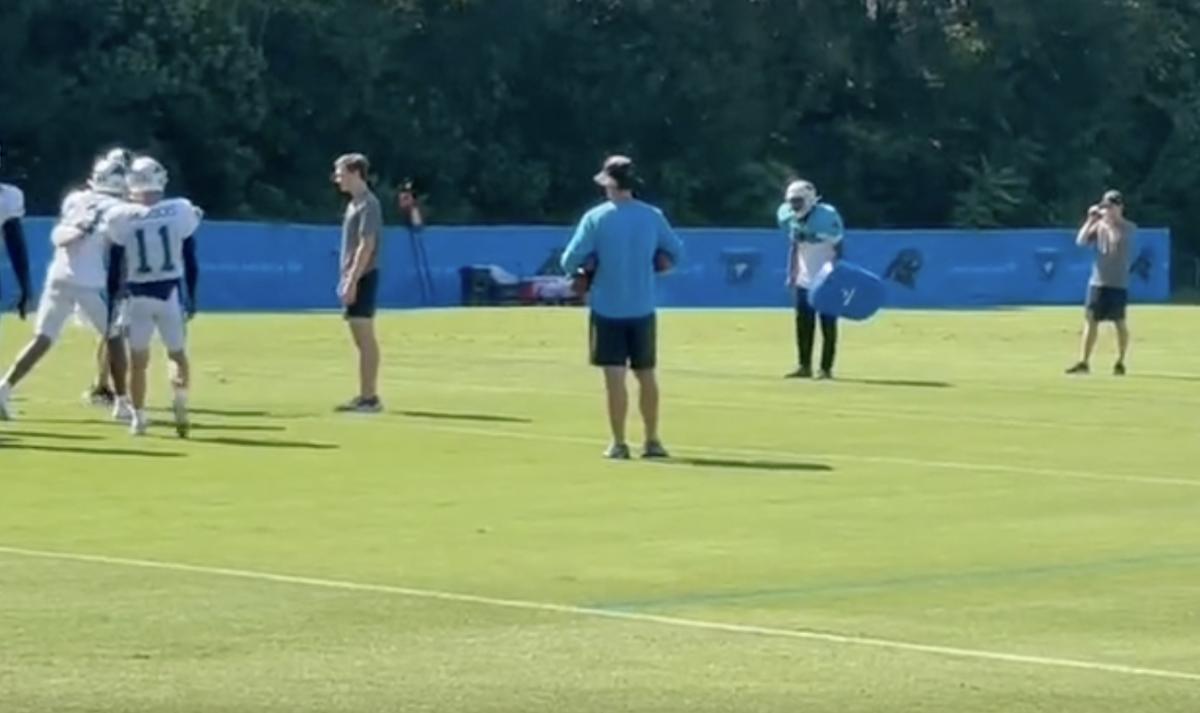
(626, 616)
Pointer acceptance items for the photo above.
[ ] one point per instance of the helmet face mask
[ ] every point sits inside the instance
(802, 196)
(121, 156)
(108, 177)
(146, 175)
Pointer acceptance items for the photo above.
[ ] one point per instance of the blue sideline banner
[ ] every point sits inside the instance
(277, 267)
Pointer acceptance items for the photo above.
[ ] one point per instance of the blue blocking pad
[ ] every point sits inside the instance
(847, 291)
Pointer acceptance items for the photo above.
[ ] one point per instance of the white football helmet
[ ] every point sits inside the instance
(120, 155)
(108, 177)
(802, 195)
(146, 176)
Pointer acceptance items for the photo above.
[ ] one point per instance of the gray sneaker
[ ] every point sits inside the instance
(654, 450)
(359, 404)
(617, 451)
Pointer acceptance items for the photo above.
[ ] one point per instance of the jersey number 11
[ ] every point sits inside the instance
(143, 262)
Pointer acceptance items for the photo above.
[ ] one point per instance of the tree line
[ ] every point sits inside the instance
(906, 113)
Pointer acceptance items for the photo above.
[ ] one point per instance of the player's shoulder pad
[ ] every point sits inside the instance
(826, 219)
(12, 203)
(125, 210)
(784, 213)
(175, 204)
(183, 207)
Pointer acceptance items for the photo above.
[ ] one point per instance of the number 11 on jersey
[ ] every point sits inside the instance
(144, 261)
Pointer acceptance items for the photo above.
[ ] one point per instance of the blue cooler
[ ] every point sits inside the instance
(848, 291)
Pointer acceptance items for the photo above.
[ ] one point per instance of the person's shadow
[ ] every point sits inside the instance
(1168, 377)
(14, 445)
(242, 442)
(476, 417)
(906, 383)
(747, 464)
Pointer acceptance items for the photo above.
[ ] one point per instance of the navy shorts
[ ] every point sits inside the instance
(623, 342)
(363, 306)
(1107, 304)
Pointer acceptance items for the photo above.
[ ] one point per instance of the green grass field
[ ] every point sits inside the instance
(953, 526)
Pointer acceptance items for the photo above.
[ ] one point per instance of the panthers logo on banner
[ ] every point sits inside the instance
(1143, 265)
(1047, 261)
(905, 267)
(740, 265)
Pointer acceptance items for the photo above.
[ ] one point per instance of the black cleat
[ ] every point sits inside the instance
(1080, 368)
(1119, 369)
(617, 451)
(804, 372)
(654, 450)
(99, 396)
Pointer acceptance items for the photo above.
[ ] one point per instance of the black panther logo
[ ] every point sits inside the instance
(905, 267)
(1143, 265)
(740, 266)
(1047, 264)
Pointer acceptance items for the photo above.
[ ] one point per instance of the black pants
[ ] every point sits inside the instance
(806, 330)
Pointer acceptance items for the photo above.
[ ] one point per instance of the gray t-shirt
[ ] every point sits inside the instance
(364, 216)
(1113, 244)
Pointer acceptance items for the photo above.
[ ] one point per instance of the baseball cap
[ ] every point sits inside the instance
(618, 172)
(1113, 198)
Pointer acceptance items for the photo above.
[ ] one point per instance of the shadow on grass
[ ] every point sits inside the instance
(238, 442)
(6, 445)
(477, 417)
(907, 383)
(755, 464)
(50, 436)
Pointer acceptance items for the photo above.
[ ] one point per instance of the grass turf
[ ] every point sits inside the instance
(951, 489)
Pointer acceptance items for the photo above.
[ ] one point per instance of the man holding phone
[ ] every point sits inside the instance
(1111, 236)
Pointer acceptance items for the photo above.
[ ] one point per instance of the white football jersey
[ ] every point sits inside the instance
(12, 203)
(83, 262)
(153, 237)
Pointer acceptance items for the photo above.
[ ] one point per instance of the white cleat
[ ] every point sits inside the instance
(182, 427)
(122, 413)
(137, 427)
(6, 413)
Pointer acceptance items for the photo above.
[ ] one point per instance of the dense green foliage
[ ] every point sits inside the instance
(905, 112)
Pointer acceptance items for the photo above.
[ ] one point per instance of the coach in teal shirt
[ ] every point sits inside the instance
(622, 244)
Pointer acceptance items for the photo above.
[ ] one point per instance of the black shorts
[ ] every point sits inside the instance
(624, 342)
(363, 306)
(1107, 304)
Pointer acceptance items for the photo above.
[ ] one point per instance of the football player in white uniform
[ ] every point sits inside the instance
(153, 251)
(108, 368)
(12, 210)
(77, 276)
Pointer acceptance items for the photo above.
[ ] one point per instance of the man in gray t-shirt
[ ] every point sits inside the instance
(358, 278)
(1111, 236)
